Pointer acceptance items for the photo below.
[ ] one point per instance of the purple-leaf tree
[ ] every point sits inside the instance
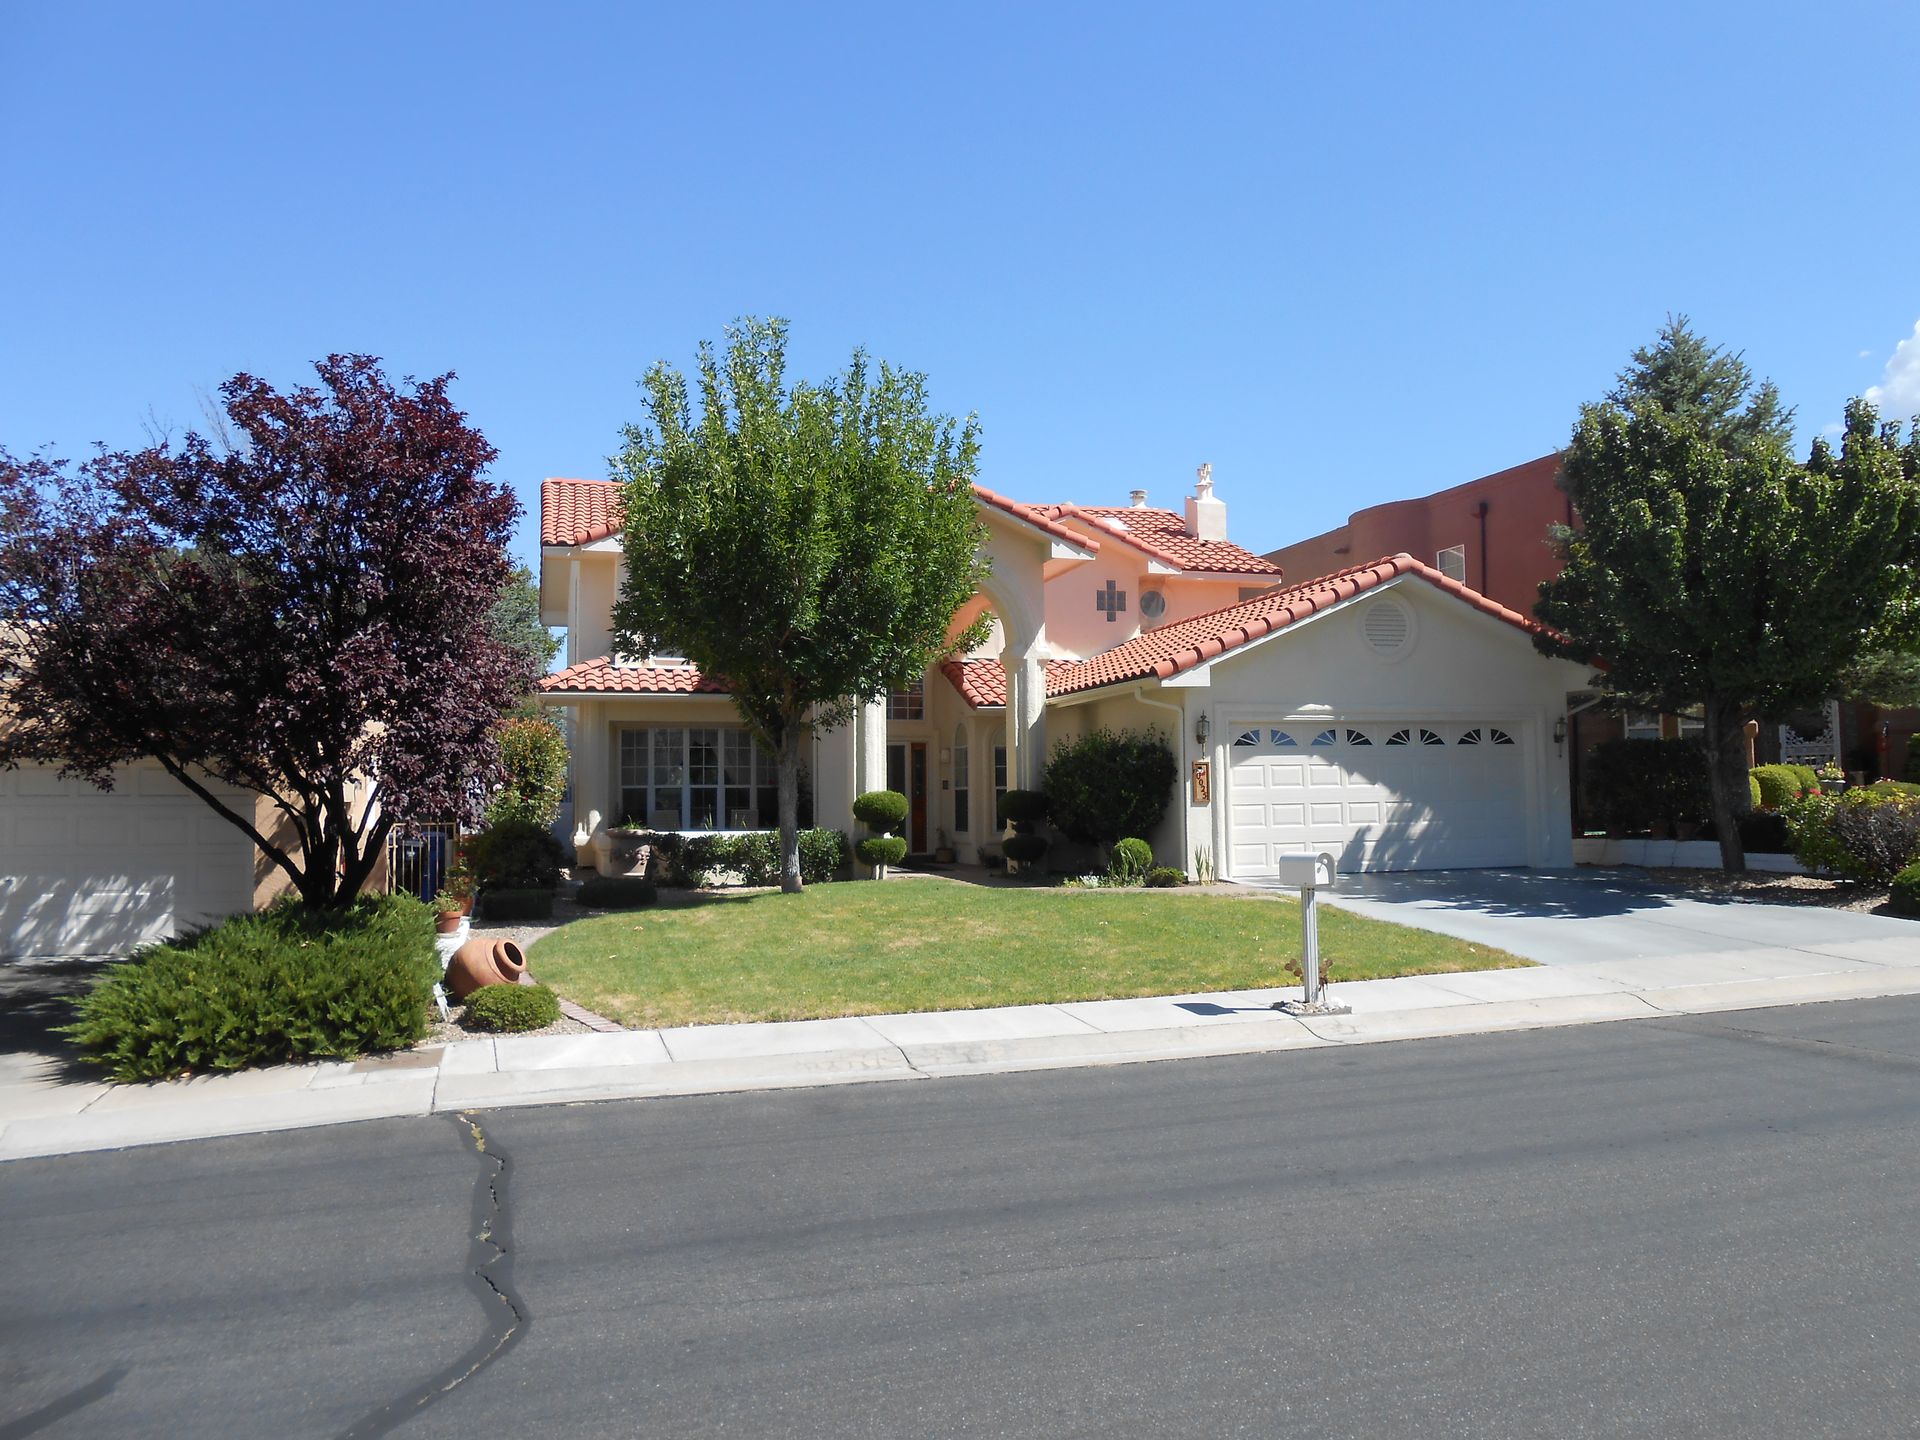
(300, 610)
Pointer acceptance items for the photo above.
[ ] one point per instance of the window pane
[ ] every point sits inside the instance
(669, 777)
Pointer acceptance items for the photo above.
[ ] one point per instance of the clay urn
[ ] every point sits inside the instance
(484, 961)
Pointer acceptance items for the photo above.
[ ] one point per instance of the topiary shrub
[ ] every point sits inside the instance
(881, 850)
(507, 905)
(290, 983)
(617, 892)
(1129, 862)
(533, 753)
(1905, 896)
(1109, 783)
(882, 810)
(1022, 809)
(1778, 784)
(511, 1007)
(1025, 849)
(515, 854)
(1162, 877)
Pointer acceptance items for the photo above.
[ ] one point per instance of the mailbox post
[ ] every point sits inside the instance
(1310, 874)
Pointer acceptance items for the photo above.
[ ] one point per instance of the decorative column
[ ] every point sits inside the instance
(870, 747)
(1026, 719)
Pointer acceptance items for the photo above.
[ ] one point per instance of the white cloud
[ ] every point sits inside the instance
(1898, 394)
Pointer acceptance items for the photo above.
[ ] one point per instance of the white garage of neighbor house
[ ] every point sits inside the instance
(85, 871)
(1384, 714)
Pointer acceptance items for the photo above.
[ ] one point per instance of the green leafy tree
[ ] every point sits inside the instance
(514, 621)
(1711, 570)
(806, 544)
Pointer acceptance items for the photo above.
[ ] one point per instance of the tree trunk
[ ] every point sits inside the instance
(1726, 742)
(790, 810)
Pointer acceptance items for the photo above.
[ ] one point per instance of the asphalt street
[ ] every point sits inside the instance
(1688, 1227)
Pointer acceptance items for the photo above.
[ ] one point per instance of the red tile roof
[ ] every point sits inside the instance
(1031, 515)
(600, 676)
(1158, 654)
(578, 512)
(1163, 535)
(983, 683)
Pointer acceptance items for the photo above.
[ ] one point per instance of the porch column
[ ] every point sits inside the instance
(592, 772)
(1026, 719)
(870, 747)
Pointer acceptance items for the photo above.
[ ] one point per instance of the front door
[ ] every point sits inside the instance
(907, 775)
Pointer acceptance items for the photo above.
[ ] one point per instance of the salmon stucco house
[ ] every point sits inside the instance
(1385, 712)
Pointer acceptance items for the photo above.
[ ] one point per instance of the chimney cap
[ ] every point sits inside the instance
(1139, 499)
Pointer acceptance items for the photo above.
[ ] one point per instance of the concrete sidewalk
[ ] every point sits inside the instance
(44, 1111)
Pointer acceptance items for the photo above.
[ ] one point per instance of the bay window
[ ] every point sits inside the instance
(705, 777)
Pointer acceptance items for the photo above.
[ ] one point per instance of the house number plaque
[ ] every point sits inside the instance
(1203, 782)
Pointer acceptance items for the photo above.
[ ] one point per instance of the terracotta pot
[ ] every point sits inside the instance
(484, 961)
(447, 921)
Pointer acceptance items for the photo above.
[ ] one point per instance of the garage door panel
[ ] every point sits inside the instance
(1425, 802)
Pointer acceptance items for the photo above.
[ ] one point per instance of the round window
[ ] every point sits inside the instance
(1153, 604)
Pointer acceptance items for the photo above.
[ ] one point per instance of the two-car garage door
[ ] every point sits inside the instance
(92, 872)
(1400, 795)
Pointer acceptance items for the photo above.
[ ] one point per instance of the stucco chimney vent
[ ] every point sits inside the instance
(1139, 499)
(1206, 516)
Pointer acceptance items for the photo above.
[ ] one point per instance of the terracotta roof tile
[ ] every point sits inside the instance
(578, 512)
(1032, 515)
(981, 683)
(1158, 654)
(1163, 535)
(600, 676)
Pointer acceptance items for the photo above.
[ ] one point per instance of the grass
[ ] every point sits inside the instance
(874, 949)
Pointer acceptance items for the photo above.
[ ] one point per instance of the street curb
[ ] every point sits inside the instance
(138, 1116)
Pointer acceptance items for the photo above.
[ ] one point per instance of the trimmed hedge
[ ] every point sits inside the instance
(1780, 785)
(1110, 783)
(1162, 877)
(754, 856)
(1905, 899)
(1130, 861)
(881, 850)
(1025, 849)
(1021, 808)
(882, 810)
(515, 854)
(617, 892)
(511, 1007)
(517, 904)
(289, 983)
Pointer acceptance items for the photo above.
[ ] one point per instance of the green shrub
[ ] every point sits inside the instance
(617, 892)
(1109, 783)
(1162, 877)
(1913, 758)
(1753, 791)
(289, 983)
(882, 810)
(1634, 784)
(1806, 777)
(517, 904)
(515, 854)
(1778, 785)
(1878, 832)
(533, 753)
(1025, 849)
(1021, 809)
(1905, 899)
(1129, 862)
(881, 850)
(511, 1007)
(754, 855)
(1809, 835)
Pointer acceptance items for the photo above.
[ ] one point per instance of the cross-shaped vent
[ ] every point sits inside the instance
(1111, 602)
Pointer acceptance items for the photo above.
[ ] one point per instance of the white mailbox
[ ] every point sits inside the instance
(1306, 872)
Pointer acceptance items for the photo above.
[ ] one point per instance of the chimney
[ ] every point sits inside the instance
(1206, 516)
(1139, 499)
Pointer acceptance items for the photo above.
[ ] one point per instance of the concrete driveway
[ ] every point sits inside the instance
(1570, 917)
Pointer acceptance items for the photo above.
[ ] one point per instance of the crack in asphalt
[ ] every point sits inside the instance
(489, 1276)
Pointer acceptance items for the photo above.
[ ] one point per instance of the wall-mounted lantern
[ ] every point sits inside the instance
(1559, 734)
(1201, 729)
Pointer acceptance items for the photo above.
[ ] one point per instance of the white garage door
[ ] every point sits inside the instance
(1401, 795)
(94, 872)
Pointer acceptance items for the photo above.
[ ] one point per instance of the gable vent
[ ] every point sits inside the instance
(1387, 627)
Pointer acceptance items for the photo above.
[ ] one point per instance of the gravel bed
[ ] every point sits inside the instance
(1778, 889)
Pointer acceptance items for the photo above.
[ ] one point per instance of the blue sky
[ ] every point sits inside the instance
(1345, 253)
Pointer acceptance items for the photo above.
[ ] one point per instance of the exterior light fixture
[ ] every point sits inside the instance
(1560, 735)
(1201, 729)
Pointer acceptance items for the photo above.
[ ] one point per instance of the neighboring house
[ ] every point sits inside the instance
(1494, 534)
(1383, 712)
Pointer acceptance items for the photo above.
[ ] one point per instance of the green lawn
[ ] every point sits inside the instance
(920, 944)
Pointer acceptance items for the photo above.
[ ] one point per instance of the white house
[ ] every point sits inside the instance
(1384, 713)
